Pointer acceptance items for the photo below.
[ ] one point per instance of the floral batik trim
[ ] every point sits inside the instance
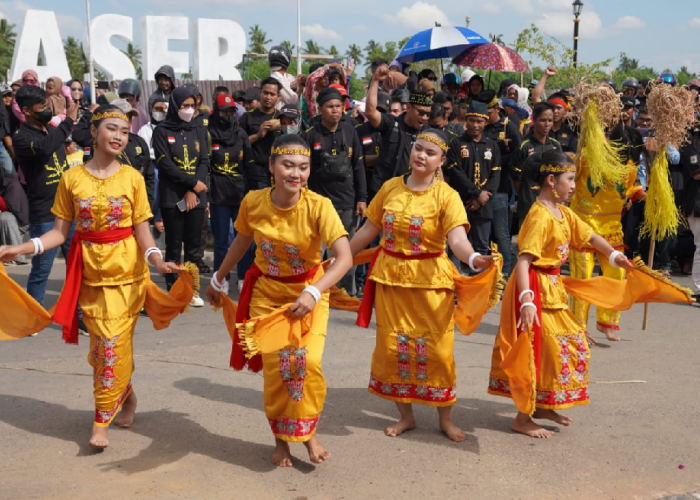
(293, 427)
(414, 234)
(413, 391)
(295, 386)
(105, 417)
(562, 397)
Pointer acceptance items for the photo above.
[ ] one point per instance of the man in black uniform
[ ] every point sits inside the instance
(337, 169)
(561, 132)
(398, 133)
(690, 161)
(474, 171)
(258, 124)
(629, 107)
(505, 132)
(371, 139)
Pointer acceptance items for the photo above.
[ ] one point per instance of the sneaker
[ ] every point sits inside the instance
(696, 300)
(82, 329)
(197, 301)
(240, 286)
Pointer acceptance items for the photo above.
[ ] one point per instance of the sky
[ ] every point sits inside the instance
(659, 37)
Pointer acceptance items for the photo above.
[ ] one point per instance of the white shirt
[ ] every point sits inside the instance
(287, 94)
(146, 132)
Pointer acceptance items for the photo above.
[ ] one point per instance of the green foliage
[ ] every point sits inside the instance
(333, 51)
(496, 39)
(258, 40)
(133, 52)
(290, 47)
(7, 46)
(354, 52)
(388, 51)
(357, 89)
(77, 61)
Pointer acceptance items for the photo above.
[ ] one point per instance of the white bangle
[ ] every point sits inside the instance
(520, 299)
(216, 284)
(314, 292)
(153, 250)
(471, 261)
(613, 256)
(38, 246)
(528, 304)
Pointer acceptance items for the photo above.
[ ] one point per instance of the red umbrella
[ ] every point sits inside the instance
(493, 57)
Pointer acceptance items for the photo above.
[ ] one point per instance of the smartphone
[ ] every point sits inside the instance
(102, 85)
(182, 205)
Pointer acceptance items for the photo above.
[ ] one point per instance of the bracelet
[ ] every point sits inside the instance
(528, 304)
(471, 261)
(520, 299)
(314, 292)
(613, 256)
(216, 284)
(153, 250)
(38, 246)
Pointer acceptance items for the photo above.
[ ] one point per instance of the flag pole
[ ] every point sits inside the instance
(299, 61)
(91, 69)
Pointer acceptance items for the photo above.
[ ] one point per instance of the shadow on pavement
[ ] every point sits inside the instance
(173, 436)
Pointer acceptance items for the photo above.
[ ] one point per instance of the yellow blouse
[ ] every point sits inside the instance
(547, 238)
(288, 240)
(117, 202)
(414, 223)
(602, 208)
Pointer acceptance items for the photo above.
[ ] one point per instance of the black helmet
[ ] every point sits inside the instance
(129, 86)
(610, 82)
(279, 55)
(630, 83)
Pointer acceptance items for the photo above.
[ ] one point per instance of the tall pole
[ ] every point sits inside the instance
(91, 69)
(576, 21)
(469, 19)
(299, 62)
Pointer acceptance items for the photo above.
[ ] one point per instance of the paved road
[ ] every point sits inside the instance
(201, 431)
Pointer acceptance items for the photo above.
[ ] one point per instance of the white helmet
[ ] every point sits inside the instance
(467, 75)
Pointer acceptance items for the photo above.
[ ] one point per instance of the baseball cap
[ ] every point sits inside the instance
(628, 100)
(383, 101)
(124, 105)
(339, 88)
(224, 101)
(252, 94)
(5, 89)
(290, 110)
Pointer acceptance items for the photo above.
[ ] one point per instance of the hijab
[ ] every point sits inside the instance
(224, 134)
(31, 72)
(57, 102)
(172, 120)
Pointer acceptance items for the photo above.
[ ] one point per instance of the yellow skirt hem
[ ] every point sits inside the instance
(412, 400)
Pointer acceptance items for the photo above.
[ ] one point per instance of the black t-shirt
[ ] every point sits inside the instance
(394, 150)
(250, 123)
(229, 169)
(343, 193)
(371, 141)
(42, 157)
(567, 137)
(690, 161)
(137, 154)
(528, 190)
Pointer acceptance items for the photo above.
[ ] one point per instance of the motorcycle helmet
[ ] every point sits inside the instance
(279, 55)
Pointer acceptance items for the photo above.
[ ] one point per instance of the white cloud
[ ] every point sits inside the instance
(420, 16)
(491, 9)
(694, 22)
(318, 31)
(359, 27)
(562, 24)
(629, 23)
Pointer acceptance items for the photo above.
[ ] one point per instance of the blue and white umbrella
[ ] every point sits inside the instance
(443, 42)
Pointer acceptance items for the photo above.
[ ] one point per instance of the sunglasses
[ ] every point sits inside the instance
(29, 80)
(421, 112)
(75, 88)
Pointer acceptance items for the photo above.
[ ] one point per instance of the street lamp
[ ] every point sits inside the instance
(577, 5)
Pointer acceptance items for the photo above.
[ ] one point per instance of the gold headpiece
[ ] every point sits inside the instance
(291, 151)
(109, 114)
(558, 169)
(435, 140)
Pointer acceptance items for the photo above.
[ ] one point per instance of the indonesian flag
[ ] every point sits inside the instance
(171, 140)
(215, 147)
(317, 146)
(366, 141)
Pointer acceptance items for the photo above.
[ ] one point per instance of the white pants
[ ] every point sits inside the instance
(694, 224)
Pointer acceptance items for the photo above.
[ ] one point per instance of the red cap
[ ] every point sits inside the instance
(339, 88)
(224, 101)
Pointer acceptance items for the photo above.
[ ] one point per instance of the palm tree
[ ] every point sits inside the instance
(133, 52)
(333, 51)
(354, 52)
(258, 40)
(311, 47)
(627, 64)
(77, 61)
(7, 45)
(288, 45)
(496, 39)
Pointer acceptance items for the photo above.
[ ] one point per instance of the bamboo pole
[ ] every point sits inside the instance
(650, 263)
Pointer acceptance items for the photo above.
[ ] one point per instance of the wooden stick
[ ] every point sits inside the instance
(650, 263)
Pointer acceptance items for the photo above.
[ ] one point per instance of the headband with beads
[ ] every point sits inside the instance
(558, 169)
(435, 140)
(291, 151)
(109, 114)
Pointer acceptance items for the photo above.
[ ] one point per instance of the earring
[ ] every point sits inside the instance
(272, 181)
(556, 195)
(437, 174)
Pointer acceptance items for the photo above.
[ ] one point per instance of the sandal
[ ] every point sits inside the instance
(203, 268)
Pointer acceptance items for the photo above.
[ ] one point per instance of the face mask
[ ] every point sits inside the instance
(158, 116)
(290, 129)
(226, 120)
(44, 117)
(186, 114)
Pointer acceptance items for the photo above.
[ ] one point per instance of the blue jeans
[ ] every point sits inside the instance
(501, 229)
(222, 219)
(42, 264)
(6, 160)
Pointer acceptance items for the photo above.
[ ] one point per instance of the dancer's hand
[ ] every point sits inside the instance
(213, 296)
(483, 261)
(9, 252)
(622, 261)
(167, 267)
(528, 317)
(303, 306)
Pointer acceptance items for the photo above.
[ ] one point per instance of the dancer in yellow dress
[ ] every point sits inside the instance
(413, 283)
(288, 223)
(108, 273)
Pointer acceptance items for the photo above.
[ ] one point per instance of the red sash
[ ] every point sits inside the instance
(537, 300)
(65, 313)
(364, 316)
(238, 359)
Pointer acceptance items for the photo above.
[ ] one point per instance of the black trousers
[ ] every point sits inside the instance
(182, 228)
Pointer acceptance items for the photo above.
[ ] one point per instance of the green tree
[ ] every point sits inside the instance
(354, 52)
(288, 45)
(77, 61)
(496, 39)
(357, 89)
(311, 47)
(333, 51)
(258, 40)
(133, 52)
(627, 65)
(7, 46)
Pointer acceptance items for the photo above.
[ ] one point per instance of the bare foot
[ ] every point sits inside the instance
(407, 422)
(125, 419)
(447, 425)
(591, 340)
(99, 438)
(282, 456)
(317, 453)
(524, 425)
(553, 416)
(609, 333)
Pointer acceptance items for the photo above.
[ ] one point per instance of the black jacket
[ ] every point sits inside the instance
(690, 161)
(42, 158)
(506, 133)
(170, 73)
(230, 163)
(528, 191)
(182, 160)
(250, 123)
(472, 167)
(567, 137)
(138, 156)
(394, 150)
(15, 198)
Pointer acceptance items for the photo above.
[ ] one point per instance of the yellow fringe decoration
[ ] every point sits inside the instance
(193, 271)
(499, 283)
(249, 339)
(533, 371)
(601, 156)
(661, 215)
(641, 266)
